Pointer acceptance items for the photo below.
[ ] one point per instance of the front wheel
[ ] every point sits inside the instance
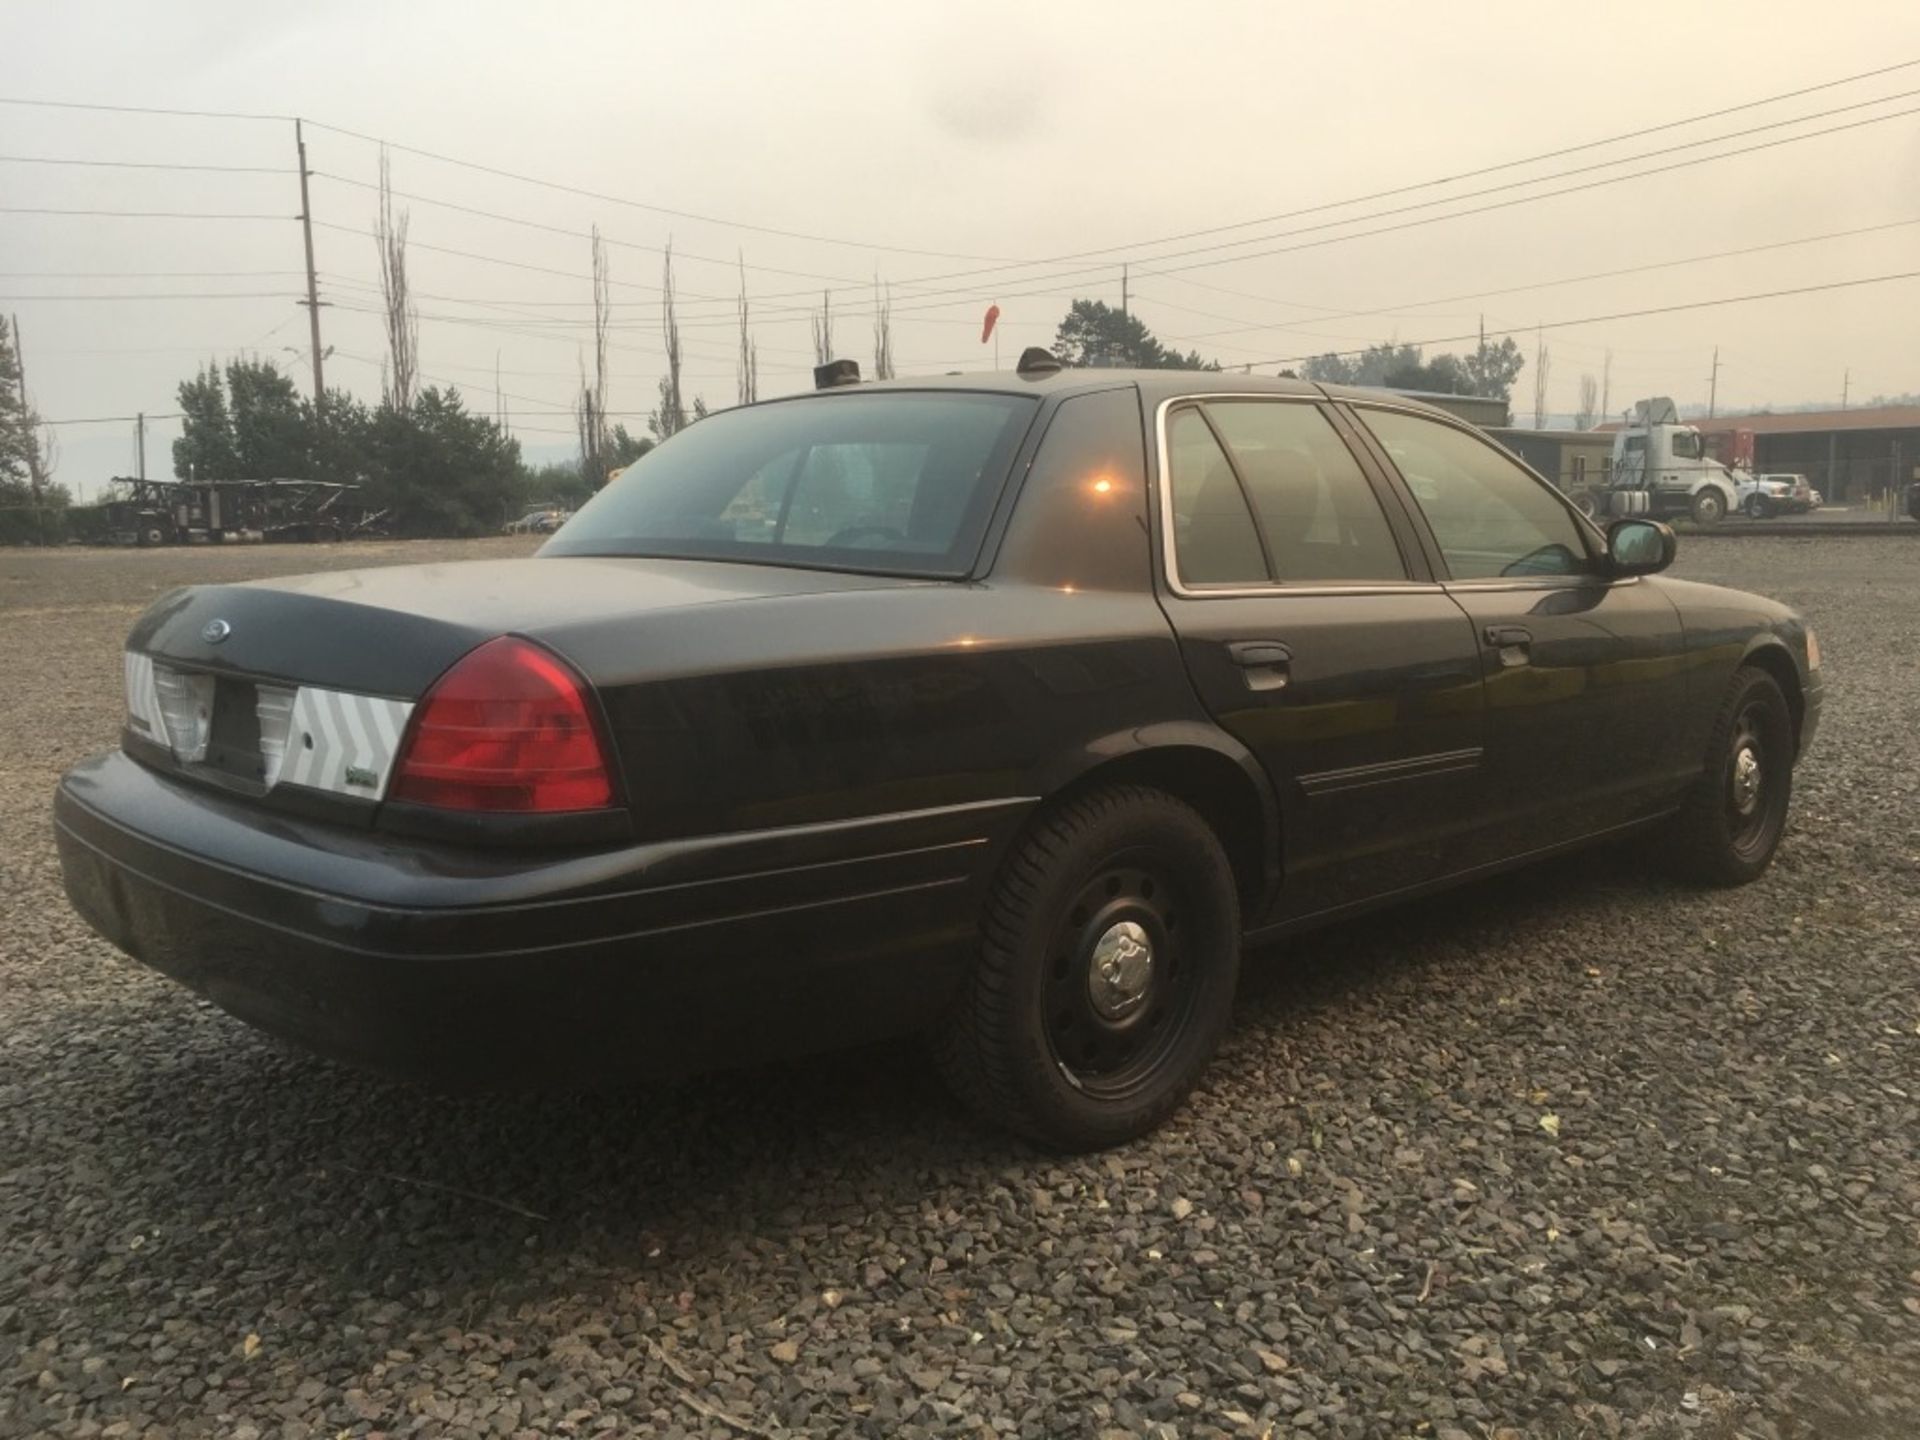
(1757, 507)
(1110, 950)
(1709, 507)
(1728, 829)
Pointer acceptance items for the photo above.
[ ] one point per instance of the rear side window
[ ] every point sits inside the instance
(1214, 542)
(1490, 517)
(1319, 515)
(894, 481)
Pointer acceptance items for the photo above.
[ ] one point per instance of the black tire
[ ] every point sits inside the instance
(1709, 507)
(1730, 826)
(1758, 508)
(1032, 1041)
(1585, 504)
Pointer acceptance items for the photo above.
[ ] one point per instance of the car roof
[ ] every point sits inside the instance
(1157, 386)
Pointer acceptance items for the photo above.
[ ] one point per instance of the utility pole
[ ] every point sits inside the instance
(1846, 376)
(140, 435)
(313, 288)
(1713, 384)
(1123, 290)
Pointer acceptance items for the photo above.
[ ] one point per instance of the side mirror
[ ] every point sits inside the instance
(1639, 547)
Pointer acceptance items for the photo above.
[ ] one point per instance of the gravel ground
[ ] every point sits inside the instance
(1588, 1154)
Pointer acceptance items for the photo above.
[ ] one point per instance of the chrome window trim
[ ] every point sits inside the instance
(1170, 560)
(1541, 582)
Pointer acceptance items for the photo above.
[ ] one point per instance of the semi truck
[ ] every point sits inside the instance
(1660, 466)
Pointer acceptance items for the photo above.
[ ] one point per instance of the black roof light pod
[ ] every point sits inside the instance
(836, 373)
(1036, 361)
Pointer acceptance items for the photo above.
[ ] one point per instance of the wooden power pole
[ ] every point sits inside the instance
(313, 288)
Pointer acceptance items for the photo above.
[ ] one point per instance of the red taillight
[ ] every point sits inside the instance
(507, 728)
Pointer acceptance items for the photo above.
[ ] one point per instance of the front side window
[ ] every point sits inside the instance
(892, 481)
(1490, 518)
(1686, 445)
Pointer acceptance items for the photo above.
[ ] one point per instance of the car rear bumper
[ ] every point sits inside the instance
(474, 967)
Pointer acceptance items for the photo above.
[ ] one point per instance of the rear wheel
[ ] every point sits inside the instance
(1709, 507)
(1109, 955)
(1731, 824)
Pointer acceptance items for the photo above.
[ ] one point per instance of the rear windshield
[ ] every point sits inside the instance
(893, 481)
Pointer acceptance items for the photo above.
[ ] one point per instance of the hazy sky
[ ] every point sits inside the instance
(939, 148)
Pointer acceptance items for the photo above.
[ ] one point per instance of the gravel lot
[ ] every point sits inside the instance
(1584, 1154)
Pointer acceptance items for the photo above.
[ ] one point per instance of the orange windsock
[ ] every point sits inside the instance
(993, 318)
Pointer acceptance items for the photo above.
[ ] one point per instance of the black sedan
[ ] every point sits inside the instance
(1002, 709)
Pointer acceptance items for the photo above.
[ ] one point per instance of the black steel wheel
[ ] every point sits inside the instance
(1109, 956)
(1731, 824)
(1757, 507)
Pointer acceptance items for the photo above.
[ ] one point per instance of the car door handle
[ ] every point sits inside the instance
(1265, 662)
(1501, 636)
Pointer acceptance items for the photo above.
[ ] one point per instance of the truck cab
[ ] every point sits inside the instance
(1661, 467)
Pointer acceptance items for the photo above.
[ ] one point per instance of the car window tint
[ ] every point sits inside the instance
(1490, 517)
(1321, 518)
(897, 481)
(1214, 540)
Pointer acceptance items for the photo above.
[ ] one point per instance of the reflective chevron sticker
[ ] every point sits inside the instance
(143, 698)
(343, 743)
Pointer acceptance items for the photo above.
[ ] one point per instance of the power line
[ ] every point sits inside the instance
(139, 214)
(144, 274)
(1602, 182)
(439, 204)
(1620, 315)
(606, 198)
(139, 109)
(1524, 160)
(167, 295)
(114, 419)
(1588, 169)
(145, 165)
(1406, 307)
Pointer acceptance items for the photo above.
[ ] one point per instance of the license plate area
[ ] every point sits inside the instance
(233, 742)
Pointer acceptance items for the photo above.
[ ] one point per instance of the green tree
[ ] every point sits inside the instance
(623, 449)
(339, 439)
(1094, 333)
(440, 469)
(1492, 369)
(272, 426)
(23, 468)
(205, 450)
(1488, 370)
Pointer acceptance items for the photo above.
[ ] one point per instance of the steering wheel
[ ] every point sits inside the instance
(855, 532)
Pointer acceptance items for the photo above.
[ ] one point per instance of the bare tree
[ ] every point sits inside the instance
(1542, 368)
(747, 372)
(672, 414)
(823, 330)
(401, 369)
(882, 331)
(1589, 403)
(591, 411)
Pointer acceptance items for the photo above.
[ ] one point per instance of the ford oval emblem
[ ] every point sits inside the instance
(214, 631)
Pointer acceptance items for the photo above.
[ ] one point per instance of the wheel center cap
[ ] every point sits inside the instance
(1121, 969)
(1746, 778)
